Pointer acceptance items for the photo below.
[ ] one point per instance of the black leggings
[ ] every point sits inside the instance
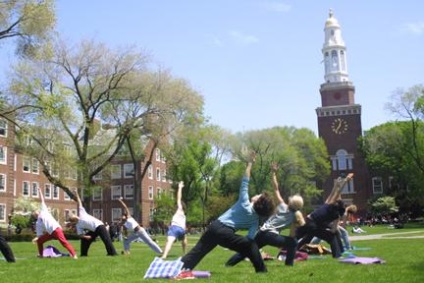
(6, 250)
(219, 234)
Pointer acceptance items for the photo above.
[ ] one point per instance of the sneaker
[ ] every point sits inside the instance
(184, 274)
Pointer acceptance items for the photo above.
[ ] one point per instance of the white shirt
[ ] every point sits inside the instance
(179, 219)
(87, 222)
(131, 224)
(45, 222)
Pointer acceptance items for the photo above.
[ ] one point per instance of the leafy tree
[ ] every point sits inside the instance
(301, 156)
(30, 22)
(76, 111)
(384, 206)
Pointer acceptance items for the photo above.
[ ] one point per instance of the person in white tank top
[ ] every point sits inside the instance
(177, 230)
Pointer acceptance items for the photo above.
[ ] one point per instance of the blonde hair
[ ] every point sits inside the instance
(351, 209)
(296, 202)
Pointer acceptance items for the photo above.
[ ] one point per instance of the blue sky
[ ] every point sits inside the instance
(258, 62)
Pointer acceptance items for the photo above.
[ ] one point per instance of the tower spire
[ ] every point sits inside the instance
(334, 52)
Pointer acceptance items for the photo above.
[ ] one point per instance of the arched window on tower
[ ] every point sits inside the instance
(342, 160)
(334, 60)
(327, 62)
(343, 61)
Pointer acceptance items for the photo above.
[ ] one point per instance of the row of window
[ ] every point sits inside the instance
(127, 193)
(338, 112)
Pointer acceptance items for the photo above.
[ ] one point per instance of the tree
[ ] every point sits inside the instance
(75, 110)
(31, 22)
(384, 206)
(302, 157)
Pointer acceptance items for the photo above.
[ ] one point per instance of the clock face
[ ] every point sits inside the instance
(339, 126)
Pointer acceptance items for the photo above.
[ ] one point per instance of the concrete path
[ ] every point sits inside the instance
(389, 236)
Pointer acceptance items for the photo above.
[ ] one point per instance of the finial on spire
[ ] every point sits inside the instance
(331, 13)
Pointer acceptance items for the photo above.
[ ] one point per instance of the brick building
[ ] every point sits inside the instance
(20, 176)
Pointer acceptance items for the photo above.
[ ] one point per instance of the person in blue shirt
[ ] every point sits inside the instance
(288, 215)
(244, 214)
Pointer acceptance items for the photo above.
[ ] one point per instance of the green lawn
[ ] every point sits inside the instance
(404, 263)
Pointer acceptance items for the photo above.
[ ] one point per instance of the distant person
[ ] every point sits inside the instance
(358, 230)
(6, 250)
(47, 228)
(88, 228)
(244, 214)
(177, 230)
(288, 215)
(135, 232)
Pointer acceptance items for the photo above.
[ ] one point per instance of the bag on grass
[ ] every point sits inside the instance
(313, 249)
(160, 268)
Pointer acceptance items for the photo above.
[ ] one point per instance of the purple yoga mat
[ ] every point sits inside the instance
(201, 274)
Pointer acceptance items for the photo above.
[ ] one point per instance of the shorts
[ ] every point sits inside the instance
(176, 231)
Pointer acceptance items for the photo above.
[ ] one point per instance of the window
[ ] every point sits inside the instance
(129, 191)
(157, 154)
(3, 154)
(97, 195)
(66, 196)
(47, 191)
(35, 166)
(34, 189)
(158, 174)
(2, 182)
(342, 160)
(377, 185)
(55, 192)
(2, 212)
(116, 192)
(116, 172)
(26, 164)
(164, 175)
(116, 214)
(150, 192)
(348, 188)
(3, 128)
(98, 176)
(150, 172)
(159, 192)
(98, 213)
(25, 188)
(129, 171)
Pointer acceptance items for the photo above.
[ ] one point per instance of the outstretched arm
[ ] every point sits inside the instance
(274, 169)
(78, 198)
(337, 189)
(127, 211)
(179, 195)
(249, 164)
(40, 192)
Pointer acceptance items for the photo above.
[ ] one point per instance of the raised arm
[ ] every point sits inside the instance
(337, 189)
(274, 169)
(78, 198)
(249, 164)
(40, 192)
(179, 195)
(127, 211)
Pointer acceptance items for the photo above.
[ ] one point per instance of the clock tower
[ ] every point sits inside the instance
(339, 120)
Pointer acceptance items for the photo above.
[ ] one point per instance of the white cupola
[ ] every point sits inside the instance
(334, 52)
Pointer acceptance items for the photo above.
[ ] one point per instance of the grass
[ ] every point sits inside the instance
(404, 261)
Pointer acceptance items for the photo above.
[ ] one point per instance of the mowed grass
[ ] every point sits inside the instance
(404, 263)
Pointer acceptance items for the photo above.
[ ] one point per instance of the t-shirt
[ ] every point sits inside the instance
(179, 219)
(326, 214)
(86, 222)
(242, 215)
(280, 220)
(45, 222)
(131, 224)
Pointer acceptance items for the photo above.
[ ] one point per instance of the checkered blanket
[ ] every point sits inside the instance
(160, 268)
